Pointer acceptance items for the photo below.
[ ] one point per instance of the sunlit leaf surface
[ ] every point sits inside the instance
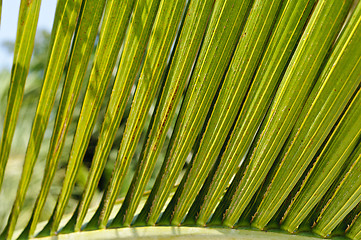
(207, 118)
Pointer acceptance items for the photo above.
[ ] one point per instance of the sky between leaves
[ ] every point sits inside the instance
(8, 26)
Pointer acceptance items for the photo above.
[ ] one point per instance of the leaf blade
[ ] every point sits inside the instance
(198, 98)
(345, 198)
(27, 23)
(288, 104)
(154, 64)
(80, 55)
(61, 38)
(329, 97)
(188, 46)
(257, 102)
(113, 31)
(244, 62)
(333, 156)
(132, 55)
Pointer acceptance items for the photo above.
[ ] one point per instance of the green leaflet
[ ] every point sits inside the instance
(160, 43)
(227, 196)
(319, 34)
(81, 50)
(24, 45)
(134, 48)
(189, 43)
(346, 223)
(244, 63)
(327, 100)
(60, 42)
(220, 41)
(345, 198)
(249, 213)
(307, 224)
(166, 215)
(327, 166)
(354, 232)
(242, 159)
(283, 40)
(112, 34)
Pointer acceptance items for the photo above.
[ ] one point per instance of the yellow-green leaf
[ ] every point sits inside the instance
(111, 36)
(154, 64)
(81, 51)
(244, 62)
(327, 166)
(67, 12)
(27, 23)
(283, 40)
(345, 198)
(327, 100)
(211, 64)
(187, 48)
(135, 45)
(299, 78)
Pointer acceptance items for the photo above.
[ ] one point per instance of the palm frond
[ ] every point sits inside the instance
(218, 113)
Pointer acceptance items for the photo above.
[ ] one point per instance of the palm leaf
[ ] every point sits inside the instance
(154, 64)
(189, 43)
(333, 212)
(213, 58)
(67, 11)
(28, 20)
(325, 104)
(135, 44)
(287, 104)
(324, 171)
(113, 31)
(257, 101)
(226, 114)
(78, 61)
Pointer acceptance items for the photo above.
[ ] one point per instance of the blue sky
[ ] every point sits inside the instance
(9, 19)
